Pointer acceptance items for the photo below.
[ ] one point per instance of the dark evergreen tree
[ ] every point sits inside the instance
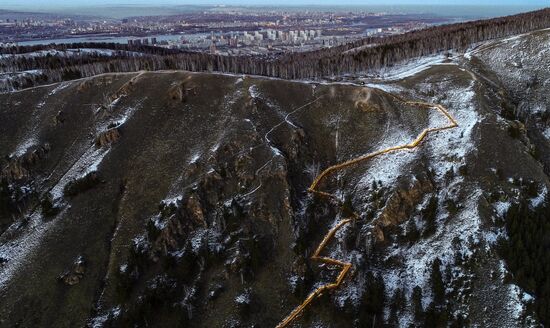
(429, 215)
(435, 316)
(436, 280)
(347, 207)
(412, 231)
(396, 307)
(416, 301)
(527, 251)
(6, 205)
(372, 307)
(48, 208)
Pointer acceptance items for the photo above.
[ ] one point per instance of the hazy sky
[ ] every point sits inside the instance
(75, 3)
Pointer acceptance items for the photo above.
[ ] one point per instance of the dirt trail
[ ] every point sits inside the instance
(345, 266)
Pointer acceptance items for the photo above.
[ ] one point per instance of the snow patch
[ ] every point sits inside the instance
(254, 92)
(18, 250)
(452, 146)
(385, 87)
(388, 167)
(464, 227)
(195, 158)
(101, 320)
(410, 68)
(61, 86)
(197, 239)
(173, 200)
(501, 208)
(23, 147)
(87, 163)
(515, 304)
(537, 201)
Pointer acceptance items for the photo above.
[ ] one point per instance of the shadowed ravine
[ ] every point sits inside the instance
(314, 189)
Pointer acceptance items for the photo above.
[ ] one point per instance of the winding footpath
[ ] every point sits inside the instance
(314, 189)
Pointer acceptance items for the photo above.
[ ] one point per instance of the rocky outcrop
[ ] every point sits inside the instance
(179, 92)
(166, 233)
(401, 204)
(367, 100)
(296, 143)
(59, 118)
(73, 276)
(82, 184)
(194, 208)
(107, 137)
(20, 167)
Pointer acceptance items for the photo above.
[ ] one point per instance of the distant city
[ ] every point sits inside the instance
(226, 31)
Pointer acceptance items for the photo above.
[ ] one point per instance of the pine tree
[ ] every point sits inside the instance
(416, 301)
(429, 215)
(436, 281)
(412, 231)
(5, 198)
(396, 306)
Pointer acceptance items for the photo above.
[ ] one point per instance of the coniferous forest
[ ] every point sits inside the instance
(353, 58)
(526, 252)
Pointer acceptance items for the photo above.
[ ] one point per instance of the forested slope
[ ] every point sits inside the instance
(355, 58)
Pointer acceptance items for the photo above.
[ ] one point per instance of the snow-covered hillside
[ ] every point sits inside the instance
(180, 198)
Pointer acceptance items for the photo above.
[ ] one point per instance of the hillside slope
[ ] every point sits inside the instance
(180, 199)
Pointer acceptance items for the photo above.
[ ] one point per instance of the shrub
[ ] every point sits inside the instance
(347, 207)
(452, 206)
(463, 170)
(48, 208)
(514, 131)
